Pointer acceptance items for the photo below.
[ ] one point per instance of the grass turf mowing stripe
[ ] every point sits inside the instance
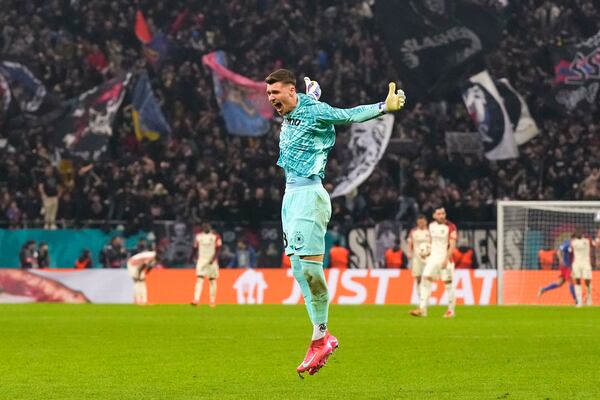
(56, 351)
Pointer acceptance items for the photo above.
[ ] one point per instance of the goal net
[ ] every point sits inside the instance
(529, 236)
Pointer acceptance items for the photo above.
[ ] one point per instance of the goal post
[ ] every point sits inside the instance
(529, 234)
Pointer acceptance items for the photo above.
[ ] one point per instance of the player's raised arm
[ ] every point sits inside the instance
(394, 102)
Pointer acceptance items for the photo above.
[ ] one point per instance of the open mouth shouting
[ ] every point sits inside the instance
(278, 106)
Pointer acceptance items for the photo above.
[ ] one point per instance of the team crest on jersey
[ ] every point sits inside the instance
(298, 240)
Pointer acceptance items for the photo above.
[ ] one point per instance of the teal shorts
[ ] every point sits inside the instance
(305, 213)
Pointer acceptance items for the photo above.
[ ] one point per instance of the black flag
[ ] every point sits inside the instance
(87, 127)
(433, 43)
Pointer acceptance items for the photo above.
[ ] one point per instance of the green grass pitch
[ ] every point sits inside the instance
(54, 351)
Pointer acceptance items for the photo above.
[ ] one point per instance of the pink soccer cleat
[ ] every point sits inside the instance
(449, 314)
(317, 355)
(333, 341)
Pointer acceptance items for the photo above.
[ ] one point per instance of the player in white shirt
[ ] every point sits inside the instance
(439, 263)
(138, 267)
(582, 265)
(417, 238)
(207, 245)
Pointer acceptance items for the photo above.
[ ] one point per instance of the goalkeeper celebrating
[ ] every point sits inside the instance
(307, 135)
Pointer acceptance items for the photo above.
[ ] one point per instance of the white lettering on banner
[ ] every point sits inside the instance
(362, 243)
(571, 98)
(332, 282)
(249, 284)
(410, 47)
(296, 292)
(463, 288)
(357, 288)
(463, 284)
(489, 277)
(383, 276)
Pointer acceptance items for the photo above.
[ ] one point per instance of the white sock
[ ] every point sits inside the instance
(198, 290)
(451, 295)
(136, 292)
(425, 293)
(588, 295)
(212, 290)
(319, 331)
(578, 294)
(143, 292)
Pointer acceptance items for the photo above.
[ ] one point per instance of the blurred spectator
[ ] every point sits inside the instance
(43, 257)
(244, 256)
(464, 256)
(50, 190)
(339, 256)
(204, 173)
(114, 254)
(84, 261)
(395, 257)
(142, 245)
(13, 215)
(28, 255)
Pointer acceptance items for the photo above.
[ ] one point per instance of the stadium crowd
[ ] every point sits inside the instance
(204, 173)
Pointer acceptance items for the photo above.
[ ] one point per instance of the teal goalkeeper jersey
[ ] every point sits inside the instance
(307, 134)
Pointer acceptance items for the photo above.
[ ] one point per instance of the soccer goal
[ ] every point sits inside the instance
(529, 236)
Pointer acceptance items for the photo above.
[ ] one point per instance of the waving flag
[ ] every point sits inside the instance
(243, 102)
(489, 115)
(141, 28)
(87, 127)
(523, 124)
(148, 120)
(367, 145)
(157, 50)
(27, 90)
(577, 74)
(435, 43)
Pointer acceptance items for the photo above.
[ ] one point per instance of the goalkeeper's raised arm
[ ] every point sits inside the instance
(394, 102)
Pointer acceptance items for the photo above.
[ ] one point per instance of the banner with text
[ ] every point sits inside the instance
(238, 286)
(577, 74)
(268, 286)
(434, 43)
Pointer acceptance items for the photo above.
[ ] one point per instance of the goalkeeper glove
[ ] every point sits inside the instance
(394, 100)
(312, 88)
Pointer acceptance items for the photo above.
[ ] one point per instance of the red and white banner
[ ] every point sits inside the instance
(237, 286)
(277, 286)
